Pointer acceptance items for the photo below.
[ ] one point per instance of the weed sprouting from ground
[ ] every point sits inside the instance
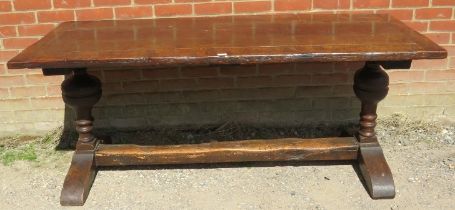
(26, 152)
(28, 148)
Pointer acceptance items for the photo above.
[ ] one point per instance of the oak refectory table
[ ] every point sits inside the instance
(380, 41)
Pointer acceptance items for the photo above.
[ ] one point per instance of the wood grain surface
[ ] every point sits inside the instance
(233, 151)
(275, 38)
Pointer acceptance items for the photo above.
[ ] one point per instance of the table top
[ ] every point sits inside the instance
(228, 40)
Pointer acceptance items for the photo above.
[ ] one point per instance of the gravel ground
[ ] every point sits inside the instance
(421, 156)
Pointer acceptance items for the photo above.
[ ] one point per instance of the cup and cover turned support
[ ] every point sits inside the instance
(81, 92)
(371, 86)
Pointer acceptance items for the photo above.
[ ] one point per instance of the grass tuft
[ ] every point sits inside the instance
(25, 152)
(29, 148)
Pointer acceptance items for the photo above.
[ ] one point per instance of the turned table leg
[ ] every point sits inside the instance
(81, 92)
(371, 86)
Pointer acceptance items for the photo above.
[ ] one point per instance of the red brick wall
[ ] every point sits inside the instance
(30, 103)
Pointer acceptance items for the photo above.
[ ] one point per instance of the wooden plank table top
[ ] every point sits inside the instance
(228, 40)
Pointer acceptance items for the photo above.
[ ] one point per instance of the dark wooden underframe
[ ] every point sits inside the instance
(81, 91)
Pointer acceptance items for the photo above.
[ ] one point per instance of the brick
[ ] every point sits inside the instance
(11, 81)
(199, 71)
(190, 1)
(404, 100)
(450, 111)
(17, 18)
(363, 4)
(430, 64)
(177, 84)
(310, 68)
(173, 9)
(250, 82)
(7, 116)
(133, 12)
(44, 115)
(292, 5)
(162, 97)
(47, 103)
(343, 90)
(410, 3)
(398, 89)
(438, 100)
(95, 14)
(24, 92)
(273, 69)
(99, 3)
(452, 64)
(35, 30)
(344, 115)
(112, 87)
(331, 4)
(141, 86)
(450, 87)
(348, 66)
(200, 96)
(151, 1)
(442, 25)
(331, 103)
(213, 8)
(5, 6)
(14, 104)
(215, 83)
(440, 38)
(252, 6)
(450, 50)
(124, 99)
(2, 69)
(440, 75)
(8, 31)
(31, 5)
(71, 3)
(122, 75)
(276, 105)
(405, 76)
(55, 90)
(18, 43)
(335, 78)
(23, 71)
(400, 14)
(240, 70)
(363, 11)
(434, 13)
(257, 93)
(426, 87)
(4, 93)
(161, 73)
(443, 3)
(292, 80)
(314, 91)
(291, 104)
(6, 55)
(38, 79)
(55, 16)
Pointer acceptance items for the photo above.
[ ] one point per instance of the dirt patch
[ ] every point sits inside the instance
(421, 155)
